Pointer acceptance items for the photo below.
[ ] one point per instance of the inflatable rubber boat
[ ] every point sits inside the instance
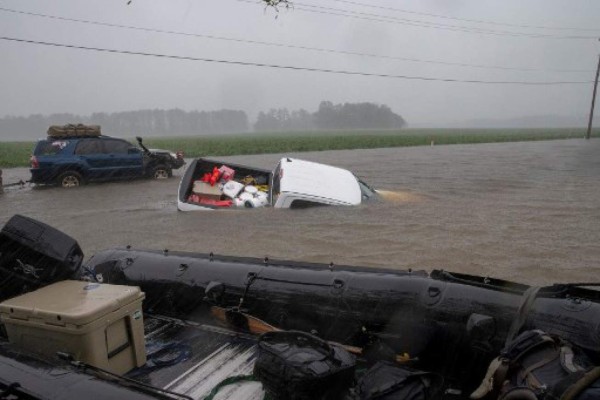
(203, 314)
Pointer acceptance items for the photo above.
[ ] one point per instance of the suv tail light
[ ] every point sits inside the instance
(34, 162)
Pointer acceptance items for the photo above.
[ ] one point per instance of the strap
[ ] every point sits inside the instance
(567, 359)
(519, 393)
(487, 384)
(493, 380)
(572, 386)
(531, 379)
(500, 376)
(528, 300)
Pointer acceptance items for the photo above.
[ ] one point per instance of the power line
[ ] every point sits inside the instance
(421, 24)
(290, 67)
(479, 21)
(432, 25)
(284, 45)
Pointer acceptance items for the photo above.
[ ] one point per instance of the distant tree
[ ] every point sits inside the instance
(330, 116)
(274, 120)
(356, 116)
(132, 123)
(326, 115)
(281, 120)
(301, 120)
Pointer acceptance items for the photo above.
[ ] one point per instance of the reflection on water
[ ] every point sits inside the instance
(400, 196)
(521, 211)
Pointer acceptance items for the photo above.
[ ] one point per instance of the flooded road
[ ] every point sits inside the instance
(527, 212)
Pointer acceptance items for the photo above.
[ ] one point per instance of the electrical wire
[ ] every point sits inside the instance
(478, 21)
(421, 24)
(284, 45)
(290, 67)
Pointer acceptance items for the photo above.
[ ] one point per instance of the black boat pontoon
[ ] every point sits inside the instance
(202, 314)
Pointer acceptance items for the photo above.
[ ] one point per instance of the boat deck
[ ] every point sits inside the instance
(192, 358)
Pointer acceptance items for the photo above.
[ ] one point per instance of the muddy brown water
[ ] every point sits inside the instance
(527, 212)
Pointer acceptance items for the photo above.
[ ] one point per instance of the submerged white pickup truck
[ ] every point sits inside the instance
(293, 183)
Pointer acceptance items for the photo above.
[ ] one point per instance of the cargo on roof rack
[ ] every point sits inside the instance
(73, 130)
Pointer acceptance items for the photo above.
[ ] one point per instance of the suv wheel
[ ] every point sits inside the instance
(161, 172)
(70, 179)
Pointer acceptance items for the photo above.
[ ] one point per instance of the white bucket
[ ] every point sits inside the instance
(251, 189)
(255, 202)
(232, 188)
(245, 196)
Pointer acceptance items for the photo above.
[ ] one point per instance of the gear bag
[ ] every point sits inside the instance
(538, 366)
(385, 381)
(294, 365)
(73, 130)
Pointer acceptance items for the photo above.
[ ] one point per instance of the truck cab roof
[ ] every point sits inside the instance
(315, 182)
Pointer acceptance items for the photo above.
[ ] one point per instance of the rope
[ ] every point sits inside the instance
(584, 381)
(170, 354)
(230, 381)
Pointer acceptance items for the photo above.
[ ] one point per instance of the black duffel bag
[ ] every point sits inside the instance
(294, 365)
(386, 381)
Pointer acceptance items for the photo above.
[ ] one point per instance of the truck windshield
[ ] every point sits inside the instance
(365, 190)
(275, 184)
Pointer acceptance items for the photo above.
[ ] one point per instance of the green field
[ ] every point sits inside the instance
(16, 154)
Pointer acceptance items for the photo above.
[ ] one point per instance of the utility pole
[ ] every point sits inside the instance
(589, 131)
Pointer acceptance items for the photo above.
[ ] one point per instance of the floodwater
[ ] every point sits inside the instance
(527, 212)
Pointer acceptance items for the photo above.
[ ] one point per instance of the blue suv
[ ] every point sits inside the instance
(72, 161)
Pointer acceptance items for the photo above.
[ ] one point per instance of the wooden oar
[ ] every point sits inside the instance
(239, 320)
(243, 321)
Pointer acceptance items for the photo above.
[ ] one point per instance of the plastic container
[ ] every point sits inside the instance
(255, 202)
(245, 196)
(232, 189)
(226, 173)
(99, 324)
(251, 189)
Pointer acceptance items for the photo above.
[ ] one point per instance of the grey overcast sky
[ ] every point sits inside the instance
(43, 79)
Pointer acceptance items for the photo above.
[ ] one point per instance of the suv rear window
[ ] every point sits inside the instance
(89, 146)
(50, 147)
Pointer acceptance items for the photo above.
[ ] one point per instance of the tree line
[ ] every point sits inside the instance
(133, 123)
(330, 116)
(180, 122)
